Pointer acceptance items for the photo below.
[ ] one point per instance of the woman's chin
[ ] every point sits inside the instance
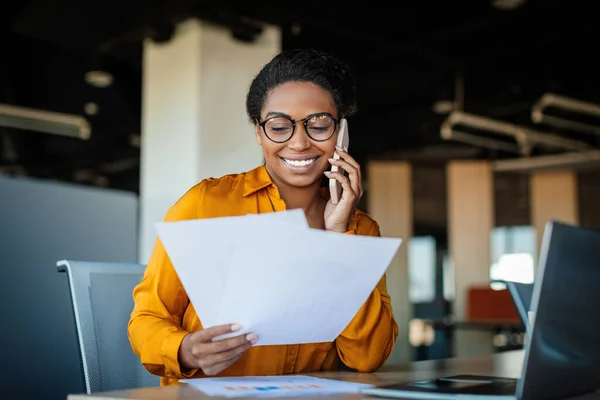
(303, 180)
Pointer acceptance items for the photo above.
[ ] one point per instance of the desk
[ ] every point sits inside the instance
(508, 335)
(507, 364)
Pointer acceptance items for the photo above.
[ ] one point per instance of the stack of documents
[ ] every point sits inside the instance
(274, 275)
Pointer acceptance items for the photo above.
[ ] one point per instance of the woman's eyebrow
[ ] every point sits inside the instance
(277, 114)
(280, 114)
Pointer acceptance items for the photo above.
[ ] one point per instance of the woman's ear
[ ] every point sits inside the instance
(257, 130)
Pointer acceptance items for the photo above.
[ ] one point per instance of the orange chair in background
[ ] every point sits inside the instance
(485, 304)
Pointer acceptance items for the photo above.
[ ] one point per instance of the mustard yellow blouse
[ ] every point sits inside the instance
(163, 314)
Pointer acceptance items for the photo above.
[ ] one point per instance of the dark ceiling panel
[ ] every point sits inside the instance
(406, 58)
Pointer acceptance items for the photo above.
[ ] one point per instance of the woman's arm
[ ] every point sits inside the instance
(155, 327)
(369, 338)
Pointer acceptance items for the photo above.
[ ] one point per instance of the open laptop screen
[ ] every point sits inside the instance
(563, 347)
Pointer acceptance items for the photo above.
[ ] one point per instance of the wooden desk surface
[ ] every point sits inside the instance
(507, 364)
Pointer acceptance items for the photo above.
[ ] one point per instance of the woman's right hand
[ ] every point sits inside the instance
(198, 350)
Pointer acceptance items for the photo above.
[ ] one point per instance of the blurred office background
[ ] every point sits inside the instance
(478, 122)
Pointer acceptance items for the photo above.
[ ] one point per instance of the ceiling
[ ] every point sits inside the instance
(406, 57)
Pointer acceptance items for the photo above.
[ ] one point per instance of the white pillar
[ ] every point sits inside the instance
(470, 224)
(389, 202)
(194, 122)
(554, 196)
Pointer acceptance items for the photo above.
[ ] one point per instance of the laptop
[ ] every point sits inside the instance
(562, 350)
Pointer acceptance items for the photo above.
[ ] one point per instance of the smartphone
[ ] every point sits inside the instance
(335, 188)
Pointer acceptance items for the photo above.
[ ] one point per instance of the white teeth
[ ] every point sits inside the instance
(300, 163)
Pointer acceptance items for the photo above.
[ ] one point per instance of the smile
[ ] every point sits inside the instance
(299, 163)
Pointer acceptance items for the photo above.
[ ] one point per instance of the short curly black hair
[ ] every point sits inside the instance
(304, 65)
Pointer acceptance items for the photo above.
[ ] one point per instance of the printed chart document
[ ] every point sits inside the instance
(264, 386)
(275, 276)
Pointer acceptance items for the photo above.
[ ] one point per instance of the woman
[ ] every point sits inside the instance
(295, 103)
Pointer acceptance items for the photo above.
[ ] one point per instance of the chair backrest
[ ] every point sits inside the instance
(102, 300)
(521, 294)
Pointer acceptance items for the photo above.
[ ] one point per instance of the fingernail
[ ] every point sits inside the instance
(339, 148)
(235, 327)
(327, 173)
(251, 337)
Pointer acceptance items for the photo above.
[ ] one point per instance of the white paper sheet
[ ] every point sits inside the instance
(291, 285)
(275, 276)
(200, 249)
(272, 386)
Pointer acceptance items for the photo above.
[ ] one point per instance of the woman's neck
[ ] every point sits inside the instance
(308, 199)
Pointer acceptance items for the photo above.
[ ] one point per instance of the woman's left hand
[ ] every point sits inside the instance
(337, 216)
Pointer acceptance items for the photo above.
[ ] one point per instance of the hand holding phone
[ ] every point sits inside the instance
(347, 170)
(335, 187)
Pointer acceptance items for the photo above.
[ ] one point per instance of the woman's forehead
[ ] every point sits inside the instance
(299, 97)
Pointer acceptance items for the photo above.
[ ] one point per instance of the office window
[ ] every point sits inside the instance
(421, 269)
(513, 253)
(449, 278)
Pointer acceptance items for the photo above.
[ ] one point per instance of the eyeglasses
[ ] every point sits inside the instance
(319, 127)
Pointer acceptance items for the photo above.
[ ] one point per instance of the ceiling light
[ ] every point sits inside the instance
(90, 108)
(521, 137)
(99, 78)
(573, 106)
(44, 121)
(507, 4)
(571, 160)
(443, 107)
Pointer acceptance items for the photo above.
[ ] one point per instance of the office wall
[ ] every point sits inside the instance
(41, 223)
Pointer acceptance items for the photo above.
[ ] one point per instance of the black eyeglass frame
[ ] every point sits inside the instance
(304, 121)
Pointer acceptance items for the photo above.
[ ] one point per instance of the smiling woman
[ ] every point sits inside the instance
(296, 162)
(296, 103)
